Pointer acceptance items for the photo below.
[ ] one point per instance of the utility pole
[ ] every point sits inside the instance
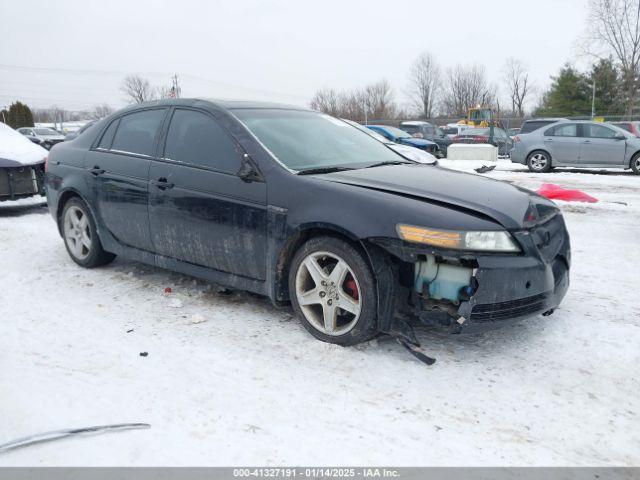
(593, 101)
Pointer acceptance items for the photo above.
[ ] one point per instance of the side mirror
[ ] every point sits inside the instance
(249, 172)
(619, 136)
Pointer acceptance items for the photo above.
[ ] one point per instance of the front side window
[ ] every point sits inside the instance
(137, 132)
(305, 140)
(598, 131)
(197, 139)
(568, 130)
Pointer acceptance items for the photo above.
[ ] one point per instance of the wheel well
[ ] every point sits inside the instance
(64, 198)
(294, 243)
(633, 157)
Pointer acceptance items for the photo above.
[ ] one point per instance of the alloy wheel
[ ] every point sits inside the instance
(328, 293)
(77, 233)
(539, 161)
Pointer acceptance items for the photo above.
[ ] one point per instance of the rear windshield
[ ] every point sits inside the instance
(450, 131)
(535, 125)
(410, 128)
(625, 126)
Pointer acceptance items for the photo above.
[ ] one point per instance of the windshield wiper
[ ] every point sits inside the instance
(311, 171)
(381, 164)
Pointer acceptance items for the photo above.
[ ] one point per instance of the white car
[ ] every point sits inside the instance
(43, 136)
(454, 129)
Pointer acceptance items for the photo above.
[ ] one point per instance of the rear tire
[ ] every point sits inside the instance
(539, 161)
(332, 291)
(81, 236)
(635, 164)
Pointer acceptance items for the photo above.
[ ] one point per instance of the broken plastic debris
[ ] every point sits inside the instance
(167, 289)
(57, 434)
(556, 192)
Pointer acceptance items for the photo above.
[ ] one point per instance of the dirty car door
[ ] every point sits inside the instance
(119, 168)
(200, 211)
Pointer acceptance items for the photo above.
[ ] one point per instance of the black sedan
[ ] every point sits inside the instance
(303, 208)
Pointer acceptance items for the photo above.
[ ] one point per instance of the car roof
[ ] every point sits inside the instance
(225, 104)
(415, 122)
(546, 119)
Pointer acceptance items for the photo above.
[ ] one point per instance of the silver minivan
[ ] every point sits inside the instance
(583, 144)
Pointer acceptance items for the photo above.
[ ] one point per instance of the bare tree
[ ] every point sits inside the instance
(613, 26)
(101, 111)
(373, 101)
(424, 81)
(467, 87)
(378, 100)
(137, 89)
(326, 100)
(516, 79)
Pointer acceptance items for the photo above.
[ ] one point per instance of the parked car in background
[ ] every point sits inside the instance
(412, 153)
(454, 129)
(21, 165)
(498, 138)
(631, 127)
(582, 144)
(400, 136)
(428, 131)
(43, 136)
(512, 132)
(85, 127)
(303, 208)
(533, 124)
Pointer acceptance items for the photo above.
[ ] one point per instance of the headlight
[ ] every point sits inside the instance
(499, 241)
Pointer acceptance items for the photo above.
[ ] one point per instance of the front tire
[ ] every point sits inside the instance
(333, 292)
(635, 164)
(539, 161)
(80, 235)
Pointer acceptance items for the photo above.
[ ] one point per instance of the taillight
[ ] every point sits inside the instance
(516, 139)
(481, 139)
(46, 163)
(456, 138)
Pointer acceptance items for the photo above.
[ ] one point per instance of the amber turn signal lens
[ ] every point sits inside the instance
(438, 238)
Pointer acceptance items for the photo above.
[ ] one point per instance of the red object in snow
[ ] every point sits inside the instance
(556, 192)
(167, 289)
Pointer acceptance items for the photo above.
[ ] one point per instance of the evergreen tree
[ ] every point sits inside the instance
(569, 95)
(18, 115)
(608, 100)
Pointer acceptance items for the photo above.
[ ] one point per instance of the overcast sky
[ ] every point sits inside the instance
(76, 53)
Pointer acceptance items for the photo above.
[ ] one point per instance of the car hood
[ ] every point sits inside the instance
(504, 203)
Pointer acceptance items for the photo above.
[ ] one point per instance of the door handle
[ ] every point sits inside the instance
(96, 171)
(586, 141)
(162, 183)
(549, 140)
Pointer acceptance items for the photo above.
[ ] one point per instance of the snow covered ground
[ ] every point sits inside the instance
(230, 380)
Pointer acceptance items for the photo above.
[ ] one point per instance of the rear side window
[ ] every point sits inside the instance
(107, 136)
(528, 127)
(597, 131)
(197, 139)
(410, 128)
(568, 130)
(137, 132)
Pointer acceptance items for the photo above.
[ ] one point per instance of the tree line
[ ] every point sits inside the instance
(612, 41)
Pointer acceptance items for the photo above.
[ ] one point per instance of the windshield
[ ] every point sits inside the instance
(304, 140)
(396, 132)
(45, 131)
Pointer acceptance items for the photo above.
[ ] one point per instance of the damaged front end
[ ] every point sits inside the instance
(467, 291)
